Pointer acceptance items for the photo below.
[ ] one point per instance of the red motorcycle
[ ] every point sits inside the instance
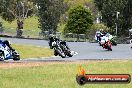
(107, 45)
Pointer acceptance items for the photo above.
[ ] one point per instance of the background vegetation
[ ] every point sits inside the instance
(57, 14)
(80, 20)
(116, 11)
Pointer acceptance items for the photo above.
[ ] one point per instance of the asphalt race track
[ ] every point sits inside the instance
(83, 50)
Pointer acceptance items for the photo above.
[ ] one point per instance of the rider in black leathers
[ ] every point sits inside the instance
(54, 38)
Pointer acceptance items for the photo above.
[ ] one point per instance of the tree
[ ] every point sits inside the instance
(49, 12)
(89, 4)
(16, 9)
(80, 20)
(109, 9)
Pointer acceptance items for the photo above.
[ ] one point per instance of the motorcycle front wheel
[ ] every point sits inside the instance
(61, 53)
(1, 56)
(109, 48)
(55, 53)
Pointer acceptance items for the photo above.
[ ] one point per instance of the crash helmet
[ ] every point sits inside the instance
(51, 36)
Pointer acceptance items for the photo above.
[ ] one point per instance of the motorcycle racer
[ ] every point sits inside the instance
(105, 43)
(53, 38)
(7, 43)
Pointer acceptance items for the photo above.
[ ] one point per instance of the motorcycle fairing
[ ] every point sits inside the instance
(6, 50)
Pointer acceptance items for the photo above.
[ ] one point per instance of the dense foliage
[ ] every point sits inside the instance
(16, 9)
(79, 21)
(116, 11)
(49, 12)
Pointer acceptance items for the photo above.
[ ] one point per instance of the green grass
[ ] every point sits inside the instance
(62, 75)
(30, 27)
(28, 51)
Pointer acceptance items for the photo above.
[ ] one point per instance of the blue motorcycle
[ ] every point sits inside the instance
(6, 53)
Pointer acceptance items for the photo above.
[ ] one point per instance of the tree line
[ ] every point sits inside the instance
(116, 12)
(79, 19)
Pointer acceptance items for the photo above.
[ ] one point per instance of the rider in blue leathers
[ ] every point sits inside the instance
(7, 43)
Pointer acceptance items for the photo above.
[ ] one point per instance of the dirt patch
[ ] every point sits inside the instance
(6, 65)
(23, 64)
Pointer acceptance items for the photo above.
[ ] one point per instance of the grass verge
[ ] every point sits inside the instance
(28, 51)
(30, 27)
(60, 74)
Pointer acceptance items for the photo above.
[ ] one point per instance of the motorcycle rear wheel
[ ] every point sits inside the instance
(114, 43)
(16, 58)
(69, 54)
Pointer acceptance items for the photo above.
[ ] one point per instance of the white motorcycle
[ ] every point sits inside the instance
(6, 53)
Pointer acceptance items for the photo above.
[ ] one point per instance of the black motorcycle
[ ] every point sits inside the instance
(65, 49)
(57, 49)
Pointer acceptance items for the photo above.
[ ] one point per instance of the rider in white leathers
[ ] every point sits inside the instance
(104, 39)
